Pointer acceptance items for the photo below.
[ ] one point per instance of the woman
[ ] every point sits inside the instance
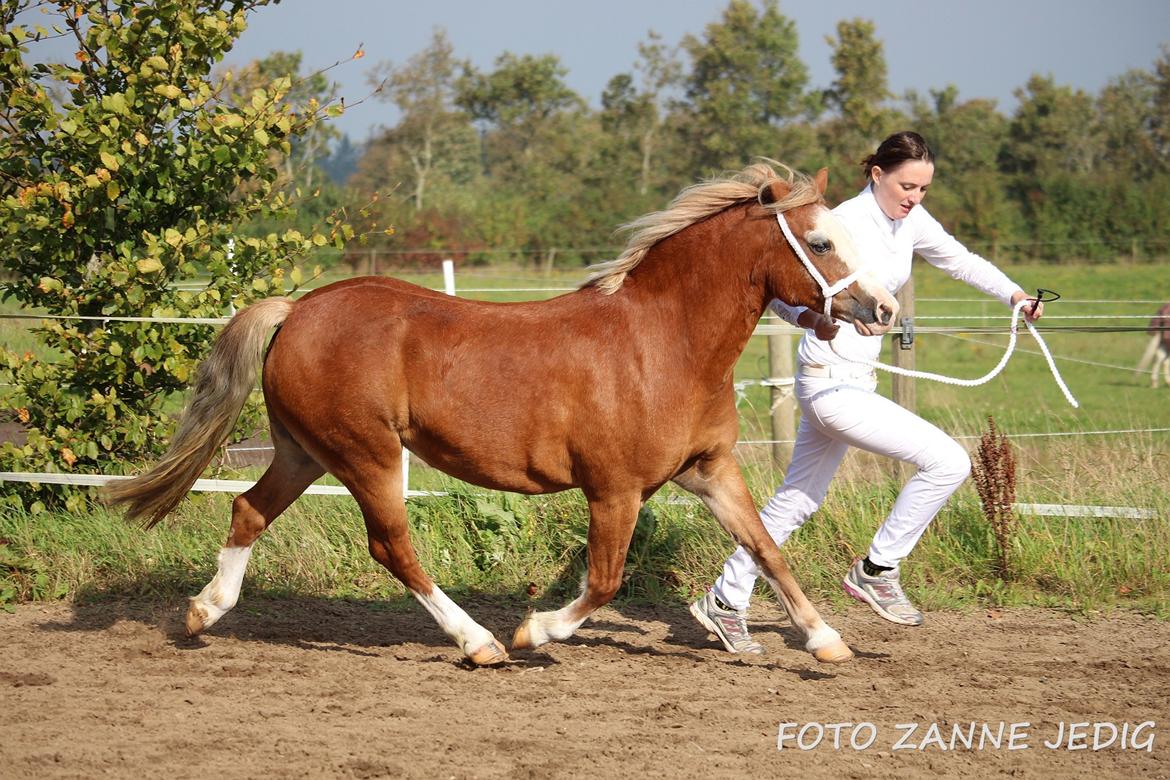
(840, 408)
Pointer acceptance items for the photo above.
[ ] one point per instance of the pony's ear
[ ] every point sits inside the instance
(772, 192)
(821, 180)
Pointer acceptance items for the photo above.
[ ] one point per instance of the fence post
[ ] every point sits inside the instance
(783, 406)
(904, 392)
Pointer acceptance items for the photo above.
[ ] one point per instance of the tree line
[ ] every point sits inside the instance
(509, 162)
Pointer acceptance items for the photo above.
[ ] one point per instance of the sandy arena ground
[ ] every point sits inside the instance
(313, 688)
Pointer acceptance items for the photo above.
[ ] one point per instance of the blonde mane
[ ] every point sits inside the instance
(695, 203)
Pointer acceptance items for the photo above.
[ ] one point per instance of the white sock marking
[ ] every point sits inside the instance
(222, 593)
(469, 635)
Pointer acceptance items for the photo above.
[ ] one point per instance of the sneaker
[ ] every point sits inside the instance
(730, 625)
(883, 592)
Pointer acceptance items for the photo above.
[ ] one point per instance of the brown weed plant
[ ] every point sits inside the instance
(994, 473)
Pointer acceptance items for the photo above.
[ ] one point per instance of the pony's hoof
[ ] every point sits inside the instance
(491, 654)
(522, 639)
(197, 619)
(836, 653)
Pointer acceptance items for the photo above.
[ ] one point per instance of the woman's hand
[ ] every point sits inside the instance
(819, 324)
(1033, 312)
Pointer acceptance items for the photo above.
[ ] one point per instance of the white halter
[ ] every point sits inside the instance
(831, 290)
(828, 290)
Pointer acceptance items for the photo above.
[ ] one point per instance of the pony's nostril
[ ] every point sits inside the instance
(885, 314)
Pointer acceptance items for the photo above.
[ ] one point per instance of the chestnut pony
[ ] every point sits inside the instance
(615, 389)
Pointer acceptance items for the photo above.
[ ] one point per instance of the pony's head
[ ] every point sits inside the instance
(817, 234)
(816, 263)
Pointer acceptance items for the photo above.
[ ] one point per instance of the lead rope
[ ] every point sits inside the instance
(830, 290)
(990, 374)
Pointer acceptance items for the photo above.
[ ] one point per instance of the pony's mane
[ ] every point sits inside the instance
(697, 202)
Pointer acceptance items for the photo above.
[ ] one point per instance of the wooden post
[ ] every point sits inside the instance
(783, 400)
(904, 391)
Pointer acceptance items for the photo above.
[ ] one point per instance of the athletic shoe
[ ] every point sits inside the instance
(730, 625)
(883, 592)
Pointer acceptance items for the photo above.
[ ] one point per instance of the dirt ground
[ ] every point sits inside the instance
(313, 688)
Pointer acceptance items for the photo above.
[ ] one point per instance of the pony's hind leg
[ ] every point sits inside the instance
(291, 471)
(611, 525)
(379, 494)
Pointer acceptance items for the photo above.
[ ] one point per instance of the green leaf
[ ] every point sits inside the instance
(261, 137)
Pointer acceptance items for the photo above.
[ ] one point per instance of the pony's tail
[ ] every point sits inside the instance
(222, 385)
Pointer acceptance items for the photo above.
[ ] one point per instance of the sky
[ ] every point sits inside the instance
(986, 48)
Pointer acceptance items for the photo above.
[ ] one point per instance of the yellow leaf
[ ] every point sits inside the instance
(115, 349)
(109, 160)
(113, 190)
(259, 285)
(149, 265)
(141, 139)
(168, 91)
(261, 137)
(68, 456)
(319, 239)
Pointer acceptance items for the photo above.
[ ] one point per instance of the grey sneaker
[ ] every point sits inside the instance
(882, 592)
(728, 624)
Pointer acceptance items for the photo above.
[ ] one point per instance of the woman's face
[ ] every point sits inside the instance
(901, 189)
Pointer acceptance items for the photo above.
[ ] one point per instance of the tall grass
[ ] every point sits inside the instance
(471, 540)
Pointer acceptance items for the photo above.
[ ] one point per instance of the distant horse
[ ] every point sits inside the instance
(616, 389)
(1157, 354)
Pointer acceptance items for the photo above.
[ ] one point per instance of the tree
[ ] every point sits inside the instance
(1049, 156)
(517, 104)
(537, 136)
(860, 89)
(633, 113)
(1125, 112)
(745, 83)
(968, 195)
(1160, 121)
(305, 91)
(122, 173)
(431, 134)
(857, 97)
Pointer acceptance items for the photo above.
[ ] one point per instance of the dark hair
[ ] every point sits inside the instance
(897, 149)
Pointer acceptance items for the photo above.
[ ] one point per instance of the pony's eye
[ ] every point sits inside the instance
(820, 247)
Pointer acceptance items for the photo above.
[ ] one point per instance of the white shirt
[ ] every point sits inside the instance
(887, 246)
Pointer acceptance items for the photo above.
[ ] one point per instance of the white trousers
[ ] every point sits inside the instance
(838, 414)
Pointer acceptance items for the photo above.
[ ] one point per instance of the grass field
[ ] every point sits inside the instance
(476, 540)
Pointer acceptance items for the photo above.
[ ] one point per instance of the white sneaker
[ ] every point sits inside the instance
(729, 625)
(883, 592)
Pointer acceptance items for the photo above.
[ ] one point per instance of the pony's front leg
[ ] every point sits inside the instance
(720, 484)
(611, 525)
